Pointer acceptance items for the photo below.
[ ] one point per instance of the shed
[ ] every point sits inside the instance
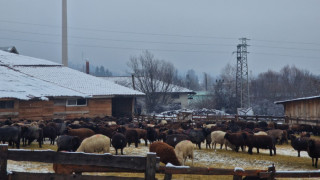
(33, 88)
(306, 108)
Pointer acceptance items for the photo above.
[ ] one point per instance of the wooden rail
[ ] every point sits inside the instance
(219, 118)
(238, 173)
(209, 117)
(148, 165)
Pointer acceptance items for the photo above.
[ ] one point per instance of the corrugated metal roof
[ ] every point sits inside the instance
(11, 59)
(78, 81)
(297, 99)
(127, 81)
(14, 84)
(53, 79)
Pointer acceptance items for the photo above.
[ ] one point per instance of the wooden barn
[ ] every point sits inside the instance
(307, 108)
(35, 89)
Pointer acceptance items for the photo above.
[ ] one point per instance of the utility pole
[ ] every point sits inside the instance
(206, 81)
(242, 80)
(64, 34)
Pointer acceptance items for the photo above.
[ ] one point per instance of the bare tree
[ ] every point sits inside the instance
(222, 95)
(192, 81)
(154, 77)
(224, 89)
(289, 83)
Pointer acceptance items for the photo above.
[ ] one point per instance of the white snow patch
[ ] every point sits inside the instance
(171, 165)
(238, 169)
(29, 167)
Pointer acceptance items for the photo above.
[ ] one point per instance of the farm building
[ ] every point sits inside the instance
(32, 88)
(179, 97)
(307, 108)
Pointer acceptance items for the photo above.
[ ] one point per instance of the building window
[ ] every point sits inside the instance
(76, 102)
(59, 102)
(6, 104)
(175, 96)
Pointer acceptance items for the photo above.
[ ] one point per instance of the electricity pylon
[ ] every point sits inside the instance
(242, 80)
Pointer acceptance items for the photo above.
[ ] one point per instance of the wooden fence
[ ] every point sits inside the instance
(218, 118)
(238, 173)
(210, 117)
(148, 165)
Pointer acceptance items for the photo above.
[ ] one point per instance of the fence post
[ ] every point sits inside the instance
(167, 176)
(3, 162)
(151, 165)
(286, 119)
(271, 169)
(237, 176)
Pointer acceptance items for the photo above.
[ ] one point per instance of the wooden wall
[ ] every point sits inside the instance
(122, 106)
(47, 110)
(304, 109)
(13, 113)
(35, 110)
(100, 107)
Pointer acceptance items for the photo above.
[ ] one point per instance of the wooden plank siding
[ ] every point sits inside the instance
(47, 110)
(122, 106)
(13, 113)
(308, 109)
(100, 107)
(35, 110)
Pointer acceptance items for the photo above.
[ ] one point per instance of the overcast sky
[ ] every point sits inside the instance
(192, 34)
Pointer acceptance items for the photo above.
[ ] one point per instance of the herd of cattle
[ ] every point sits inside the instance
(74, 135)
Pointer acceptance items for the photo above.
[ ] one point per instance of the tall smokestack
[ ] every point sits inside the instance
(133, 83)
(87, 67)
(64, 34)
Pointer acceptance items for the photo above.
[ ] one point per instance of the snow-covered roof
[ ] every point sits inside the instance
(297, 99)
(11, 59)
(14, 84)
(76, 80)
(10, 49)
(127, 81)
(51, 79)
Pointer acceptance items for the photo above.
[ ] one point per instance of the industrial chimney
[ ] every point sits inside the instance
(64, 34)
(87, 67)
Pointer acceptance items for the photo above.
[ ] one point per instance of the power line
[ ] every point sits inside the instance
(158, 34)
(112, 47)
(122, 32)
(167, 50)
(288, 42)
(289, 48)
(286, 55)
(121, 40)
(157, 42)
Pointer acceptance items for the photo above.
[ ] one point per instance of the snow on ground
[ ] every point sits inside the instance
(29, 167)
(200, 112)
(205, 158)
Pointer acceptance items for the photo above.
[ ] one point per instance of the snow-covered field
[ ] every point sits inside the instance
(204, 158)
